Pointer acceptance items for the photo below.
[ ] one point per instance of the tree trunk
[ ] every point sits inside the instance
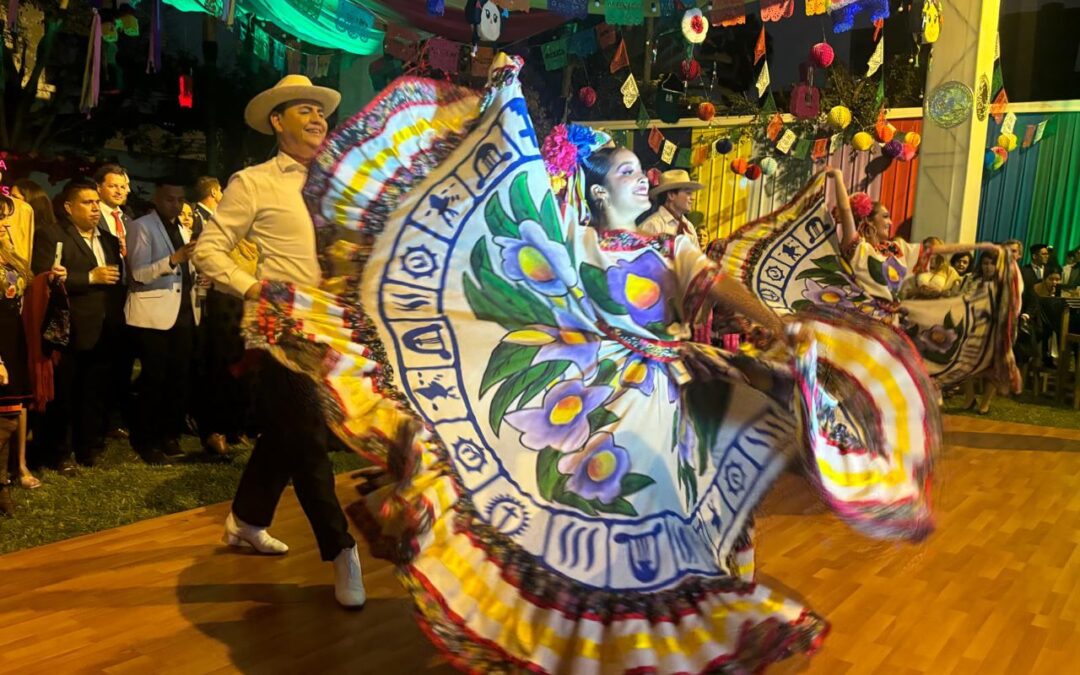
(28, 93)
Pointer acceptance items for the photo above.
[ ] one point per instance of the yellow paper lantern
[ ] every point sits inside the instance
(913, 139)
(1007, 141)
(840, 117)
(862, 141)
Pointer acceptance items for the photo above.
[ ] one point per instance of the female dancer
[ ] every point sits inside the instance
(578, 498)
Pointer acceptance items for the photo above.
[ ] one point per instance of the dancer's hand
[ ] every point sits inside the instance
(797, 333)
(834, 173)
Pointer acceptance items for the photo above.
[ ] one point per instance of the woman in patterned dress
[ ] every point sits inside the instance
(578, 497)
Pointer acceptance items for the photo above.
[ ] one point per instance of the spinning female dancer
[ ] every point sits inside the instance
(578, 499)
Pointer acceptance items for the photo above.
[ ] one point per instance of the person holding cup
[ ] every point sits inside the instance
(75, 421)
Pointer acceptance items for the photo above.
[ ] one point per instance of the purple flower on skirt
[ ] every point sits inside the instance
(641, 373)
(831, 296)
(541, 263)
(597, 471)
(894, 272)
(562, 420)
(572, 340)
(643, 286)
(938, 339)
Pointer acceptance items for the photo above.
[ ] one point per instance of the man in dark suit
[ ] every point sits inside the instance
(1033, 272)
(113, 188)
(75, 420)
(207, 193)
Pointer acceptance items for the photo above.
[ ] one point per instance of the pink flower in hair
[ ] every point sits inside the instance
(560, 154)
(861, 205)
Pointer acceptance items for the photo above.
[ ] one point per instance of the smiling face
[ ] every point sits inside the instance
(624, 194)
(300, 128)
(680, 202)
(113, 190)
(962, 264)
(880, 222)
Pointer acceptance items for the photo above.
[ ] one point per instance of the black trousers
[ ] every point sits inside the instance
(121, 365)
(292, 446)
(164, 382)
(75, 420)
(225, 400)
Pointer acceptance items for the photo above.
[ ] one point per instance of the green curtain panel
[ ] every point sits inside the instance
(331, 24)
(1055, 205)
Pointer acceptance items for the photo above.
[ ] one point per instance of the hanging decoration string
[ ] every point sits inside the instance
(153, 60)
(91, 88)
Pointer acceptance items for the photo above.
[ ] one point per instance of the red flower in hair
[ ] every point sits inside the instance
(861, 205)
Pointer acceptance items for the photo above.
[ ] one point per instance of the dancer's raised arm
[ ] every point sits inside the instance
(848, 233)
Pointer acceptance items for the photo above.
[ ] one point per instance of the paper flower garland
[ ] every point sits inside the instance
(768, 166)
(822, 55)
(894, 149)
(739, 165)
(587, 96)
(753, 172)
(1007, 141)
(694, 26)
(706, 111)
(724, 146)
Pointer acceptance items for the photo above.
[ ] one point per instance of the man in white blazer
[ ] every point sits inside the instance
(162, 312)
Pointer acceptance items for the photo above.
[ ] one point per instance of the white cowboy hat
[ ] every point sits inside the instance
(289, 88)
(675, 179)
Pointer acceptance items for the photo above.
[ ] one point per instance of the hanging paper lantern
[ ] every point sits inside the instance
(822, 55)
(913, 139)
(739, 165)
(893, 149)
(840, 117)
(724, 146)
(768, 166)
(753, 172)
(694, 26)
(654, 176)
(587, 96)
(862, 141)
(706, 111)
(886, 133)
(690, 69)
(1007, 141)
(909, 152)
(988, 159)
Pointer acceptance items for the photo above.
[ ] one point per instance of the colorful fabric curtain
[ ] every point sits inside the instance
(1035, 197)
(331, 24)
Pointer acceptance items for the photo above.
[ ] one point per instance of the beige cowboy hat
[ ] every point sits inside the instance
(675, 179)
(289, 88)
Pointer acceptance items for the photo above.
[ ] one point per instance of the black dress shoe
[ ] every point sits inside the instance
(66, 467)
(155, 456)
(172, 448)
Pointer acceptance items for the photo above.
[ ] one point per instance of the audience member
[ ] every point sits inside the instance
(961, 262)
(207, 192)
(1035, 270)
(162, 311)
(75, 421)
(34, 195)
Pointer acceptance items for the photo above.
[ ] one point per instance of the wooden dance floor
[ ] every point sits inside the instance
(995, 590)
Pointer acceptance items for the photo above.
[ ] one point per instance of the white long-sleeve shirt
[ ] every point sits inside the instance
(261, 203)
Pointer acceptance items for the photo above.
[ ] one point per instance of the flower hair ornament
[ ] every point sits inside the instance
(861, 206)
(566, 148)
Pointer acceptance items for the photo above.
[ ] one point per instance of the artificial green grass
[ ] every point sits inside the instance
(122, 490)
(1025, 408)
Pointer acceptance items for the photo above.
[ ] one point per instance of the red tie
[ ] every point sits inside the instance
(120, 233)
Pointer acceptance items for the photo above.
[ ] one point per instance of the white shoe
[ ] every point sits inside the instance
(240, 534)
(348, 579)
